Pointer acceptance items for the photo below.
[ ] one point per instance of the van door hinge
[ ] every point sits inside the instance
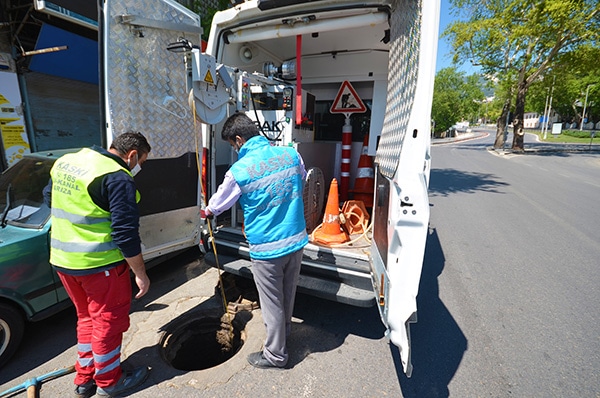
(382, 291)
(136, 20)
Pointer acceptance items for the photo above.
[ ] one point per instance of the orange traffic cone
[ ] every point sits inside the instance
(365, 182)
(330, 231)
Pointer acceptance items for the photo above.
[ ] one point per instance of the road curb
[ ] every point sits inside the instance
(460, 138)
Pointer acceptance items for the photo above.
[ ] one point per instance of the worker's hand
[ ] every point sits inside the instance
(139, 270)
(143, 283)
(206, 214)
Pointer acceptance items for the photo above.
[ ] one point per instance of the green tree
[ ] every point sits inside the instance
(454, 98)
(207, 12)
(576, 75)
(518, 41)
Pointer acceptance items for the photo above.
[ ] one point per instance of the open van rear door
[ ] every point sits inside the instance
(401, 206)
(144, 88)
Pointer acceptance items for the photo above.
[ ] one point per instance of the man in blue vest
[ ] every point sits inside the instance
(94, 242)
(268, 181)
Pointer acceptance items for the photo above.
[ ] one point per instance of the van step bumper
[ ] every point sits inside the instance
(311, 285)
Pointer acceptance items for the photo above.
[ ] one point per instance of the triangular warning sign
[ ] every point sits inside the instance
(208, 77)
(347, 101)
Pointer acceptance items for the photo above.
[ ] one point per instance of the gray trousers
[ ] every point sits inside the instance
(276, 280)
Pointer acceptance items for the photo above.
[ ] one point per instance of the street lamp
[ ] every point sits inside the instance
(585, 106)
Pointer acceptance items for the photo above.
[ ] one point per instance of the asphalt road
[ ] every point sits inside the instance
(508, 302)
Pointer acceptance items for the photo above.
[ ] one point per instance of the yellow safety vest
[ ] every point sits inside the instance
(81, 230)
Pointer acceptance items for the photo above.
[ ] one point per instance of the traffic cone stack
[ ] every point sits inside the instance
(364, 184)
(330, 231)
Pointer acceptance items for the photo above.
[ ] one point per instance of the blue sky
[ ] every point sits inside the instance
(444, 57)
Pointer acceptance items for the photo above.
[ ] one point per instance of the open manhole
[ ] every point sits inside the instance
(201, 342)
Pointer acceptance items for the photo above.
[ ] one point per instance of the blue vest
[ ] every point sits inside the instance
(270, 178)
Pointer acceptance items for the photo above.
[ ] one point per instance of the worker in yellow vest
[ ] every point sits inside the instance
(94, 243)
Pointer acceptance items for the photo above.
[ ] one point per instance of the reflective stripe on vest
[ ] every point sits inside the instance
(79, 247)
(271, 179)
(81, 230)
(77, 219)
(273, 246)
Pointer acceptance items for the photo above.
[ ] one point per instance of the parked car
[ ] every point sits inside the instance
(30, 289)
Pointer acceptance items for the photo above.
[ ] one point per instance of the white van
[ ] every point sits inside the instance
(286, 64)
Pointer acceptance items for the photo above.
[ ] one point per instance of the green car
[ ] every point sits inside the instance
(29, 288)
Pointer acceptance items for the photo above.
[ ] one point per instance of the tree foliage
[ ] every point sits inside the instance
(207, 12)
(576, 75)
(520, 41)
(454, 98)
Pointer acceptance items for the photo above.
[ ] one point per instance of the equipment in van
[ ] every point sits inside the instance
(365, 177)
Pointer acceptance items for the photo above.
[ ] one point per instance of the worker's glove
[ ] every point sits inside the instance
(206, 215)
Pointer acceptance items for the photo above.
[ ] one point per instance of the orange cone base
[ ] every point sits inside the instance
(330, 239)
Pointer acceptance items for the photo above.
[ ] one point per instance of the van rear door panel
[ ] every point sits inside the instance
(401, 207)
(144, 88)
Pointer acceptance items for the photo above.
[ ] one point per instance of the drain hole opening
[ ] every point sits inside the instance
(194, 344)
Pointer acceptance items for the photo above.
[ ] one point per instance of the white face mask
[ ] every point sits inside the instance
(236, 148)
(137, 168)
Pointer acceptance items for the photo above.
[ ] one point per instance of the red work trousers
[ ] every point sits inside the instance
(102, 301)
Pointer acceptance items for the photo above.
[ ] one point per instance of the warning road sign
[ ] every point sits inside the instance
(347, 101)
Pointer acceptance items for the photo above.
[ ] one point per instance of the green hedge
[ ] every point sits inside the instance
(577, 133)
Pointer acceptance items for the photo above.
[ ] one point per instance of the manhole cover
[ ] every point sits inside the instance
(200, 342)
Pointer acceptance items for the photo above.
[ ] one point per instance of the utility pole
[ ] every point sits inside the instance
(549, 107)
(585, 106)
(545, 118)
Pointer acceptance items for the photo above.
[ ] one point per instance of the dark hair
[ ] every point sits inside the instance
(239, 124)
(129, 141)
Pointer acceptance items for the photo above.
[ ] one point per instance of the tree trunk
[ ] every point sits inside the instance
(518, 122)
(501, 125)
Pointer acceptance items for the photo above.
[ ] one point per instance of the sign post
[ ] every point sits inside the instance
(347, 102)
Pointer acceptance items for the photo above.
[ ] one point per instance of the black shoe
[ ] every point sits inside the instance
(258, 360)
(129, 380)
(86, 390)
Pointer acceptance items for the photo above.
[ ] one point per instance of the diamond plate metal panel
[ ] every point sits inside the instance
(145, 83)
(405, 24)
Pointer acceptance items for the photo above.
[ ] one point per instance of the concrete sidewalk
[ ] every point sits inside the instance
(178, 294)
(459, 137)
(532, 143)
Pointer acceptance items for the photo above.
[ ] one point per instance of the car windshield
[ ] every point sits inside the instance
(21, 198)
